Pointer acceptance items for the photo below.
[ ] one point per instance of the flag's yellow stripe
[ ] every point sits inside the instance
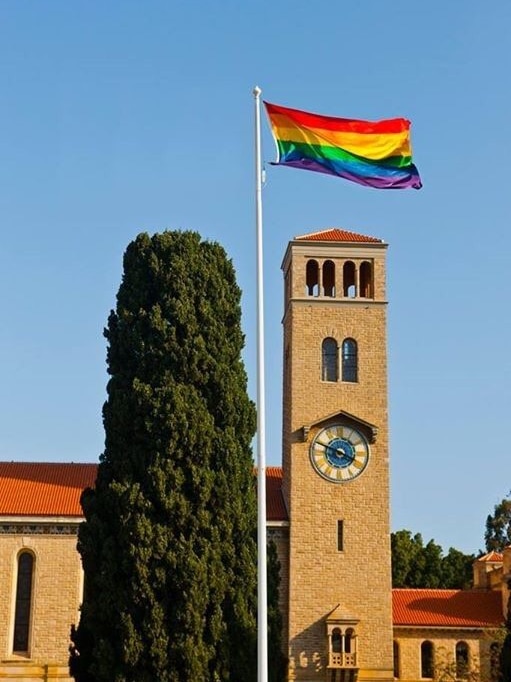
(368, 145)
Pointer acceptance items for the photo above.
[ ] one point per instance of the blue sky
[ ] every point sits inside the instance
(122, 117)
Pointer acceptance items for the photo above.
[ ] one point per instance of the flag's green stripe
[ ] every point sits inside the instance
(296, 150)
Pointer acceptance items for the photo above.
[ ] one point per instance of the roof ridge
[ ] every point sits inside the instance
(338, 234)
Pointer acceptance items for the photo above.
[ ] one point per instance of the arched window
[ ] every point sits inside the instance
(348, 279)
(348, 641)
(366, 280)
(23, 605)
(495, 661)
(426, 659)
(349, 360)
(336, 641)
(329, 360)
(312, 278)
(396, 659)
(328, 278)
(342, 647)
(461, 660)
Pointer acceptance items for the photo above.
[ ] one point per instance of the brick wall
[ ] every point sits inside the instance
(409, 641)
(321, 577)
(56, 594)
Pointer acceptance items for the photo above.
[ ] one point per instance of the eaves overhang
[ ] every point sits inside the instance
(371, 429)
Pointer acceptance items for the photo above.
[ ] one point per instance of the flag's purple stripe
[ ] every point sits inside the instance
(369, 175)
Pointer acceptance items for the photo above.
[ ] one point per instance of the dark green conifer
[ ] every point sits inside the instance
(277, 662)
(169, 542)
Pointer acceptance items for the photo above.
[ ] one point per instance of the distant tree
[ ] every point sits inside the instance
(432, 572)
(169, 540)
(406, 549)
(498, 527)
(457, 570)
(417, 565)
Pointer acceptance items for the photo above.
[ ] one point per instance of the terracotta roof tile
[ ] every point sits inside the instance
(446, 608)
(54, 489)
(336, 234)
(275, 508)
(492, 557)
(43, 489)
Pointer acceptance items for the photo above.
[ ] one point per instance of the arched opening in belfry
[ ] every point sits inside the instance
(328, 278)
(312, 278)
(348, 279)
(366, 280)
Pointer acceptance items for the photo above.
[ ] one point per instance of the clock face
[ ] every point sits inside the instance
(339, 453)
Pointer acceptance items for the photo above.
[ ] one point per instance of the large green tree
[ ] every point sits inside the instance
(415, 564)
(498, 527)
(169, 540)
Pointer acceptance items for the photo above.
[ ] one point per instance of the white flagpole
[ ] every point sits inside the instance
(262, 590)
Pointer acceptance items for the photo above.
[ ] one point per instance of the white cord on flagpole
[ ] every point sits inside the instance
(262, 590)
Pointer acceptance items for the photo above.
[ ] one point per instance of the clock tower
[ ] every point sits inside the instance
(335, 458)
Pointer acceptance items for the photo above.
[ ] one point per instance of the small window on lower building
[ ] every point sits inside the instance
(396, 659)
(495, 661)
(427, 659)
(461, 660)
(23, 606)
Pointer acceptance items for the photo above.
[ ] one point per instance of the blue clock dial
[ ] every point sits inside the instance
(339, 453)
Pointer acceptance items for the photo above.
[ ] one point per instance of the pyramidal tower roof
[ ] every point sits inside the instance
(335, 234)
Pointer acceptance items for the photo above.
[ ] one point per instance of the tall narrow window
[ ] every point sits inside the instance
(340, 536)
(426, 659)
(312, 278)
(461, 660)
(495, 661)
(366, 280)
(329, 359)
(348, 279)
(23, 602)
(349, 360)
(328, 278)
(396, 659)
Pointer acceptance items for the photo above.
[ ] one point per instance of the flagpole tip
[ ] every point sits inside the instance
(257, 91)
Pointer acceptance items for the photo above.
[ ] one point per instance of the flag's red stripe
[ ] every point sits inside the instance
(304, 118)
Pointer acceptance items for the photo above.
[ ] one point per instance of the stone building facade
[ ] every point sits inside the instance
(41, 578)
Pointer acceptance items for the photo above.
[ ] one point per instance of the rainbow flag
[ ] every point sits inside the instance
(376, 154)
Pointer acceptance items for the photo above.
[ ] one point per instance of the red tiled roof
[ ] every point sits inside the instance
(335, 234)
(275, 508)
(446, 608)
(43, 489)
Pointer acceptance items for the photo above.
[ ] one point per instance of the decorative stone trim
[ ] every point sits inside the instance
(38, 529)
